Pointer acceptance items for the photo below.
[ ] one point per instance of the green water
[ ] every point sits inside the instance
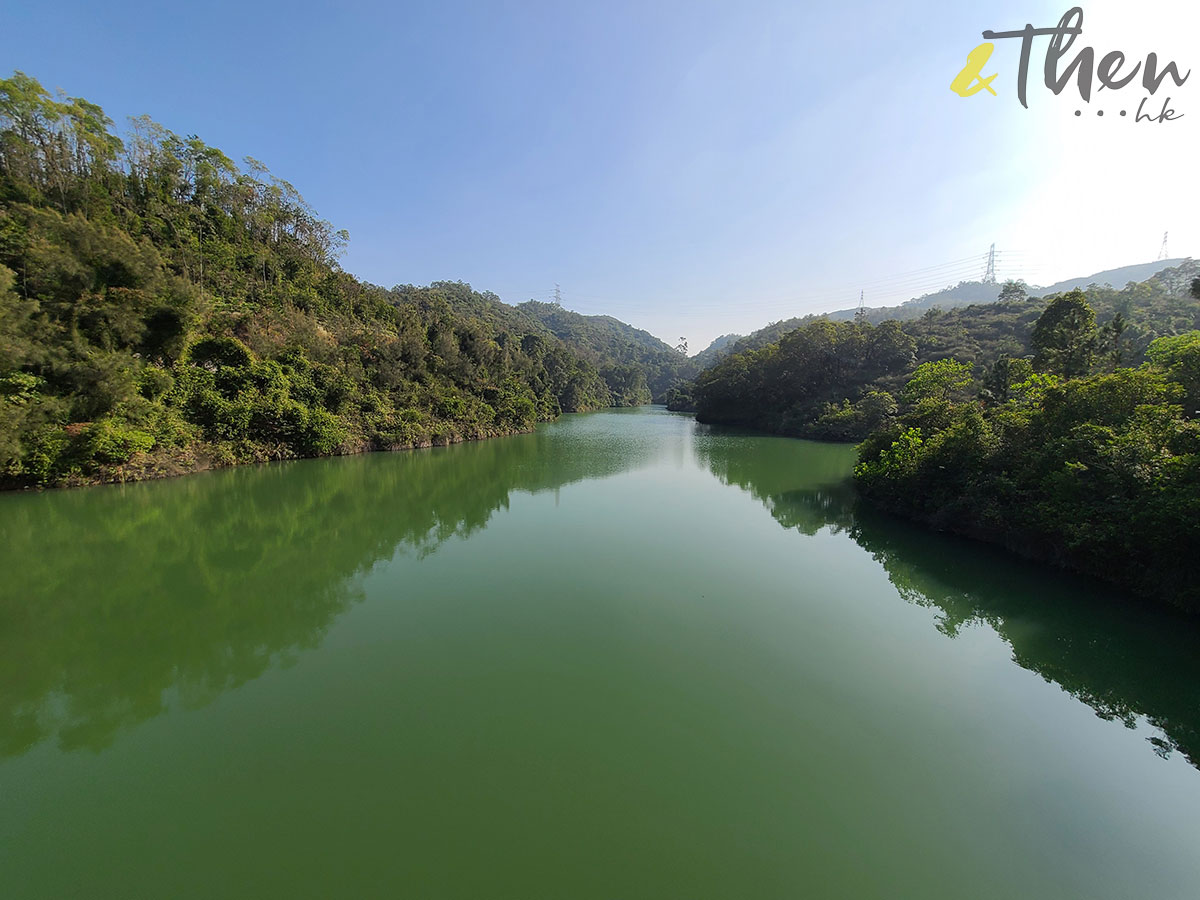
(623, 657)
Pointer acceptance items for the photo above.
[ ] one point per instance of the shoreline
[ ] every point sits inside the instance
(206, 457)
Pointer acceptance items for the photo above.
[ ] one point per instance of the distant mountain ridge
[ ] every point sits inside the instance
(637, 366)
(828, 380)
(1116, 278)
(713, 351)
(965, 293)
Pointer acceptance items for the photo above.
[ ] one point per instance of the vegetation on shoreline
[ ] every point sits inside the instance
(1066, 429)
(1154, 288)
(1095, 471)
(163, 310)
(833, 380)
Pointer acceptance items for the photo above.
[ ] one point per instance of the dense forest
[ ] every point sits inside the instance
(1068, 457)
(163, 309)
(717, 350)
(841, 380)
(965, 293)
(636, 366)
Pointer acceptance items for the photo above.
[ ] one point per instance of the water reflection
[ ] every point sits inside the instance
(1122, 660)
(115, 599)
(115, 602)
(803, 484)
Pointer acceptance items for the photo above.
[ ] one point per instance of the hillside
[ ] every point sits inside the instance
(965, 293)
(839, 380)
(1114, 278)
(636, 366)
(962, 294)
(1070, 456)
(714, 351)
(164, 310)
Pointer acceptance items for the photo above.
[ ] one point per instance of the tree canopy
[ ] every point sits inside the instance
(163, 309)
(1098, 472)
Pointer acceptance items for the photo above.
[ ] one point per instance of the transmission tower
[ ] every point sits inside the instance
(557, 295)
(860, 314)
(1162, 254)
(989, 277)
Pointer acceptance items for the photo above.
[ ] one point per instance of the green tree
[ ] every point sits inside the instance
(1013, 291)
(1110, 340)
(1003, 375)
(1099, 473)
(939, 381)
(1179, 357)
(1064, 337)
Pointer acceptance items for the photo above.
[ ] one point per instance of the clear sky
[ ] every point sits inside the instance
(692, 168)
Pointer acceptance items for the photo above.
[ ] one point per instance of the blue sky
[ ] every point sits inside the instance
(692, 168)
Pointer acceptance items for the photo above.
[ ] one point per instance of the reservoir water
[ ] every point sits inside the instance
(625, 656)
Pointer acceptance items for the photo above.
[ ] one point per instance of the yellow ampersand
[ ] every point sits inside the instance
(963, 83)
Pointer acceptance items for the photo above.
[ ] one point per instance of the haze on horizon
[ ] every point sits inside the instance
(694, 169)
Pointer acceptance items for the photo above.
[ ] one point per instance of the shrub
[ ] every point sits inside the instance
(109, 441)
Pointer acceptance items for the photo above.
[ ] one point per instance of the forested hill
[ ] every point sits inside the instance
(163, 309)
(1065, 428)
(965, 293)
(636, 366)
(713, 353)
(1115, 278)
(839, 380)
(1069, 456)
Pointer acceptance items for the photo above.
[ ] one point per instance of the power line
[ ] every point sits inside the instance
(834, 296)
(954, 264)
(897, 287)
(882, 286)
(927, 275)
(908, 287)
